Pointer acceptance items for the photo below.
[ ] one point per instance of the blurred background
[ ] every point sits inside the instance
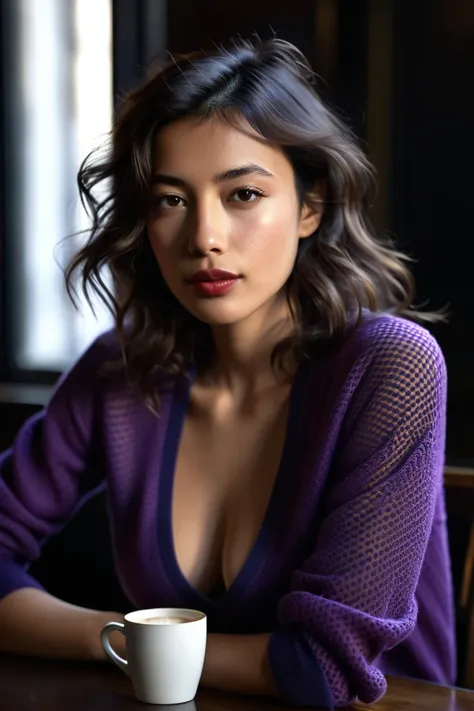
(400, 71)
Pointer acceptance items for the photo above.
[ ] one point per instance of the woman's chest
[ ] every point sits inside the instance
(197, 504)
(225, 473)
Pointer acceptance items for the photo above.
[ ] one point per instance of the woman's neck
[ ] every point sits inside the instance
(243, 362)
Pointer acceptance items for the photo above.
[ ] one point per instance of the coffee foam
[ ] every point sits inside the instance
(163, 620)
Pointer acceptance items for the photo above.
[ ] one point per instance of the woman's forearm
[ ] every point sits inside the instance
(239, 664)
(35, 623)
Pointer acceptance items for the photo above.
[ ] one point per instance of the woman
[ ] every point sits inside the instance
(266, 416)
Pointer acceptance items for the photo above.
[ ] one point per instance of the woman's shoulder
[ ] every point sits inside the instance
(395, 339)
(101, 371)
(88, 372)
(386, 366)
(389, 353)
(105, 346)
(387, 346)
(103, 351)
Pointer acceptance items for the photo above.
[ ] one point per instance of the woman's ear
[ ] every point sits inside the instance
(312, 210)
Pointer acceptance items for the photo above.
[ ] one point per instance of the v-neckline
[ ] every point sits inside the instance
(183, 588)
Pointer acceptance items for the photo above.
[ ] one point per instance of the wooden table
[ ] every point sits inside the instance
(459, 477)
(37, 685)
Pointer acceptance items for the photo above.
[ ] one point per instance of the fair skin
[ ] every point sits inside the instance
(249, 222)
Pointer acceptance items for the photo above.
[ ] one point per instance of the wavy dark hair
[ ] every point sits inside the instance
(340, 270)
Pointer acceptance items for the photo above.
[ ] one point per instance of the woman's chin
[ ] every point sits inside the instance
(215, 314)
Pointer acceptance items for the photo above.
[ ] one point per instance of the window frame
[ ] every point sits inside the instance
(139, 32)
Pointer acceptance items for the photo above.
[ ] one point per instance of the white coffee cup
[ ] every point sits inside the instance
(165, 652)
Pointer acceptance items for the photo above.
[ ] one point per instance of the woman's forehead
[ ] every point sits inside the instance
(214, 146)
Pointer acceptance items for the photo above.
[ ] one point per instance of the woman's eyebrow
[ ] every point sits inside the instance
(231, 174)
(249, 169)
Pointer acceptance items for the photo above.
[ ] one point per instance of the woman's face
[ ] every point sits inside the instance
(224, 200)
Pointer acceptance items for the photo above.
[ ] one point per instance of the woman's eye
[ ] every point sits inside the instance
(247, 195)
(168, 201)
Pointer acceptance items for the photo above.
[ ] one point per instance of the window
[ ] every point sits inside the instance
(58, 107)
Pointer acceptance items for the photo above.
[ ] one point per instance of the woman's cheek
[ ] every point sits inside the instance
(271, 233)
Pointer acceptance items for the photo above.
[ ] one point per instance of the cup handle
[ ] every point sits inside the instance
(111, 653)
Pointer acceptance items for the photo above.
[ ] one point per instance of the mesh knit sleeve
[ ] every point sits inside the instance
(355, 595)
(46, 473)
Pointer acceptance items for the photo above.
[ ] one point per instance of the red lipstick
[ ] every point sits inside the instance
(213, 282)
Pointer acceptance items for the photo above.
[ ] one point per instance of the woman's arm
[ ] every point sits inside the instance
(355, 595)
(239, 663)
(44, 477)
(35, 623)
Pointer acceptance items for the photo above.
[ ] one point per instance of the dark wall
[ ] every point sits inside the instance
(432, 183)
(193, 25)
(331, 34)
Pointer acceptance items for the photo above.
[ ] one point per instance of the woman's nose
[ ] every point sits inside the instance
(208, 231)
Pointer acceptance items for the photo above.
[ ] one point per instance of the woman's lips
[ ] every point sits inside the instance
(213, 282)
(214, 288)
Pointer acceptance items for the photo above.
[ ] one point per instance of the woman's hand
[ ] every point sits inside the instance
(117, 639)
(239, 664)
